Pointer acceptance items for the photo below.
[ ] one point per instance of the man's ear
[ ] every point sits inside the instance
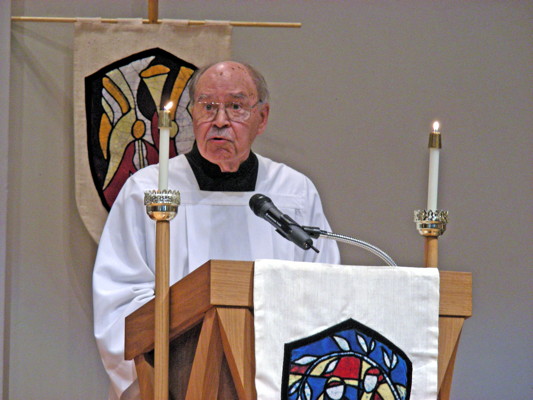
(263, 113)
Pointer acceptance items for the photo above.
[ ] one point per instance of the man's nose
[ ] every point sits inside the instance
(221, 117)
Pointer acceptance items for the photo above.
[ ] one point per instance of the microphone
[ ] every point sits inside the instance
(263, 207)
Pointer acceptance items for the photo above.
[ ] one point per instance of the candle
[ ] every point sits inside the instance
(164, 138)
(433, 179)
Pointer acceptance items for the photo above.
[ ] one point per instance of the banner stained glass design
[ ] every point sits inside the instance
(346, 361)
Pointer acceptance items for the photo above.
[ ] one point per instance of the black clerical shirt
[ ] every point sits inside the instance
(210, 178)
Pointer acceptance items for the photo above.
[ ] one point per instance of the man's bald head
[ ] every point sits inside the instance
(257, 78)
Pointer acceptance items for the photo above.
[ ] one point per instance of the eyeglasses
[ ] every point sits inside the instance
(207, 111)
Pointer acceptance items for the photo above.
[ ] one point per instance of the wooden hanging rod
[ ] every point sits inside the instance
(146, 21)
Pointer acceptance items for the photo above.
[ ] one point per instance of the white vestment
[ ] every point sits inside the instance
(209, 225)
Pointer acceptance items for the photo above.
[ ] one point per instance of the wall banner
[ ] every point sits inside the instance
(124, 73)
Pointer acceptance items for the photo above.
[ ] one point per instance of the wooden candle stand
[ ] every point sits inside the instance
(432, 224)
(162, 206)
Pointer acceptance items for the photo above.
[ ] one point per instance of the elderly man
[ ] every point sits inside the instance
(216, 180)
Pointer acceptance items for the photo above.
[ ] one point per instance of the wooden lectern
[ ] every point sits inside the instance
(212, 329)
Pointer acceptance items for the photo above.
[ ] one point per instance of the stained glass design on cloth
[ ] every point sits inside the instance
(122, 100)
(346, 361)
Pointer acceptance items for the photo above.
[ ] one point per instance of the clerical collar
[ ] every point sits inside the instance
(210, 178)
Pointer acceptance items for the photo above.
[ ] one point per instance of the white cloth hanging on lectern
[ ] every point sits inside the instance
(294, 300)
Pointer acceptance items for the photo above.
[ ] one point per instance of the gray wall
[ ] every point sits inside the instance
(5, 13)
(355, 91)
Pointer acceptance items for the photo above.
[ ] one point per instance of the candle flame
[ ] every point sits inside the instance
(169, 105)
(436, 126)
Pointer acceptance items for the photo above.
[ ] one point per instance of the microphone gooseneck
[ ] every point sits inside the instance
(316, 233)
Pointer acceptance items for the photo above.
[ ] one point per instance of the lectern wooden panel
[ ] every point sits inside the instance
(215, 303)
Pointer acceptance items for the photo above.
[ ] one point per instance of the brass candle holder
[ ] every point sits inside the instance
(162, 205)
(431, 224)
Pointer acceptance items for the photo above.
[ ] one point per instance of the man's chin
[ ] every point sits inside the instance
(224, 159)
(220, 152)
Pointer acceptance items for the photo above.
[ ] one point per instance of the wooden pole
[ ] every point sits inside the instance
(153, 11)
(162, 302)
(247, 24)
(431, 251)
